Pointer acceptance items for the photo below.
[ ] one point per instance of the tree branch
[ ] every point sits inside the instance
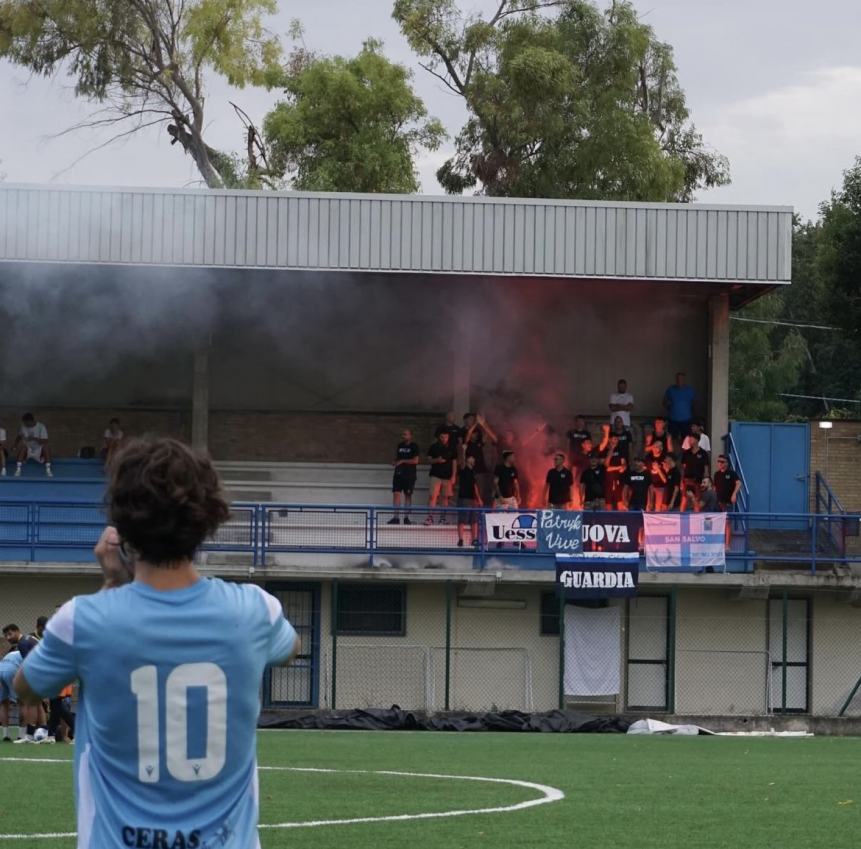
(440, 77)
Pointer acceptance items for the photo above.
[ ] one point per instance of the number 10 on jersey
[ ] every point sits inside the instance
(144, 685)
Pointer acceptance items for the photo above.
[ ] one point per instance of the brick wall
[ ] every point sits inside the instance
(843, 462)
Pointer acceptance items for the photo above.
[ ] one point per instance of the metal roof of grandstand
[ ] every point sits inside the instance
(396, 233)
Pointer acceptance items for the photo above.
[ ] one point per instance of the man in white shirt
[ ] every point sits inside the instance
(4, 452)
(697, 433)
(621, 403)
(32, 444)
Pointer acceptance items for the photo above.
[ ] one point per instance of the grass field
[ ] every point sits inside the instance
(620, 792)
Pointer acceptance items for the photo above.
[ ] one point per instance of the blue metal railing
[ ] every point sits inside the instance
(828, 505)
(41, 531)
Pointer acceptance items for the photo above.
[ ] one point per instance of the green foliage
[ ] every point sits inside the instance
(146, 59)
(574, 104)
(764, 362)
(350, 124)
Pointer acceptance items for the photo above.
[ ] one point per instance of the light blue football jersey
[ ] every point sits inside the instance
(165, 754)
(9, 665)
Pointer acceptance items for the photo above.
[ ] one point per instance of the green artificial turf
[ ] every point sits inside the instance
(620, 792)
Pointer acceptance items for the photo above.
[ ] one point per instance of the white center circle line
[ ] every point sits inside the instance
(548, 795)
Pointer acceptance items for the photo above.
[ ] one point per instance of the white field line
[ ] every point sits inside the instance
(548, 795)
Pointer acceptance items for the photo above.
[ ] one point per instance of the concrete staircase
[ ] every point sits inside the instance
(314, 483)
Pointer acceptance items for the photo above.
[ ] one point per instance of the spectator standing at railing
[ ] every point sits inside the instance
(679, 402)
(695, 467)
(708, 497)
(506, 485)
(625, 437)
(442, 457)
(404, 478)
(576, 436)
(659, 434)
(32, 444)
(637, 482)
(468, 500)
(112, 440)
(657, 483)
(477, 437)
(451, 427)
(727, 485)
(621, 403)
(616, 465)
(592, 484)
(558, 484)
(673, 486)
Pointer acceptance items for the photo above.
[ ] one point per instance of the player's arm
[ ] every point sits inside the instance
(52, 665)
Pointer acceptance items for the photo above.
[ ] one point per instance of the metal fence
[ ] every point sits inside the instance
(273, 534)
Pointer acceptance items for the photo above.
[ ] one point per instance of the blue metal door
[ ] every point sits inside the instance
(297, 685)
(775, 459)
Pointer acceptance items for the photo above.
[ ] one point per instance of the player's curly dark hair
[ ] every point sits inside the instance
(164, 499)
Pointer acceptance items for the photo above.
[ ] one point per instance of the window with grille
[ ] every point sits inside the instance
(371, 610)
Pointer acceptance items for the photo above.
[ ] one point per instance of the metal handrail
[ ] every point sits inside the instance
(735, 460)
(831, 501)
(259, 528)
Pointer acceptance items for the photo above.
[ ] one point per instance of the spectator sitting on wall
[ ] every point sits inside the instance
(697, 433)
(695, 467)
(468, 499)
(673, 486)
(442, 457)
(621, 403)
(708, 497)
(679, 403)
(592, 484)
(506, 484)
(558, 484)
(404, 478)
(450, 427)
(625, 437)
(32, 444)
(659, 434)
(473, 436)
(616, 465)
(112, 440)
(576, 436)
(637, 482)
(4, 452)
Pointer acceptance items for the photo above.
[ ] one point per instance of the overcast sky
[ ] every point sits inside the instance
(773, 84)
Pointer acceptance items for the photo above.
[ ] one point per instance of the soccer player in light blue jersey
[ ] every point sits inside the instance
(9, 665)
(170, 666)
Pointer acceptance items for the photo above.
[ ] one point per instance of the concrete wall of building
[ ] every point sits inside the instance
(835, 654)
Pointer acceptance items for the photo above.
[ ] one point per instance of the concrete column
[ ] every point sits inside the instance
(462, 374)
(200, 399)
(718, 370)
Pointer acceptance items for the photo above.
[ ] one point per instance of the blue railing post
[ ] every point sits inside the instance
(372, 527)
(814, 540)
(263, 530)
(32, 531)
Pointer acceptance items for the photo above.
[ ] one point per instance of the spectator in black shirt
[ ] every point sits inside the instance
(658, 483)
(558, 483)
(404, 479)
(616, 465)
(506, 484)
(476, 432)
(727, 484)
(660, 434)
(442, 457)
(695, 467)
(625, 437)
(468, 498)
(673, 492)
(450, 427)
(576, 436)
(592, 485)
(637, 483)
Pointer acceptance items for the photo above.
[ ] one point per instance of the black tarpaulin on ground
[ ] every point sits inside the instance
(395, 719)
